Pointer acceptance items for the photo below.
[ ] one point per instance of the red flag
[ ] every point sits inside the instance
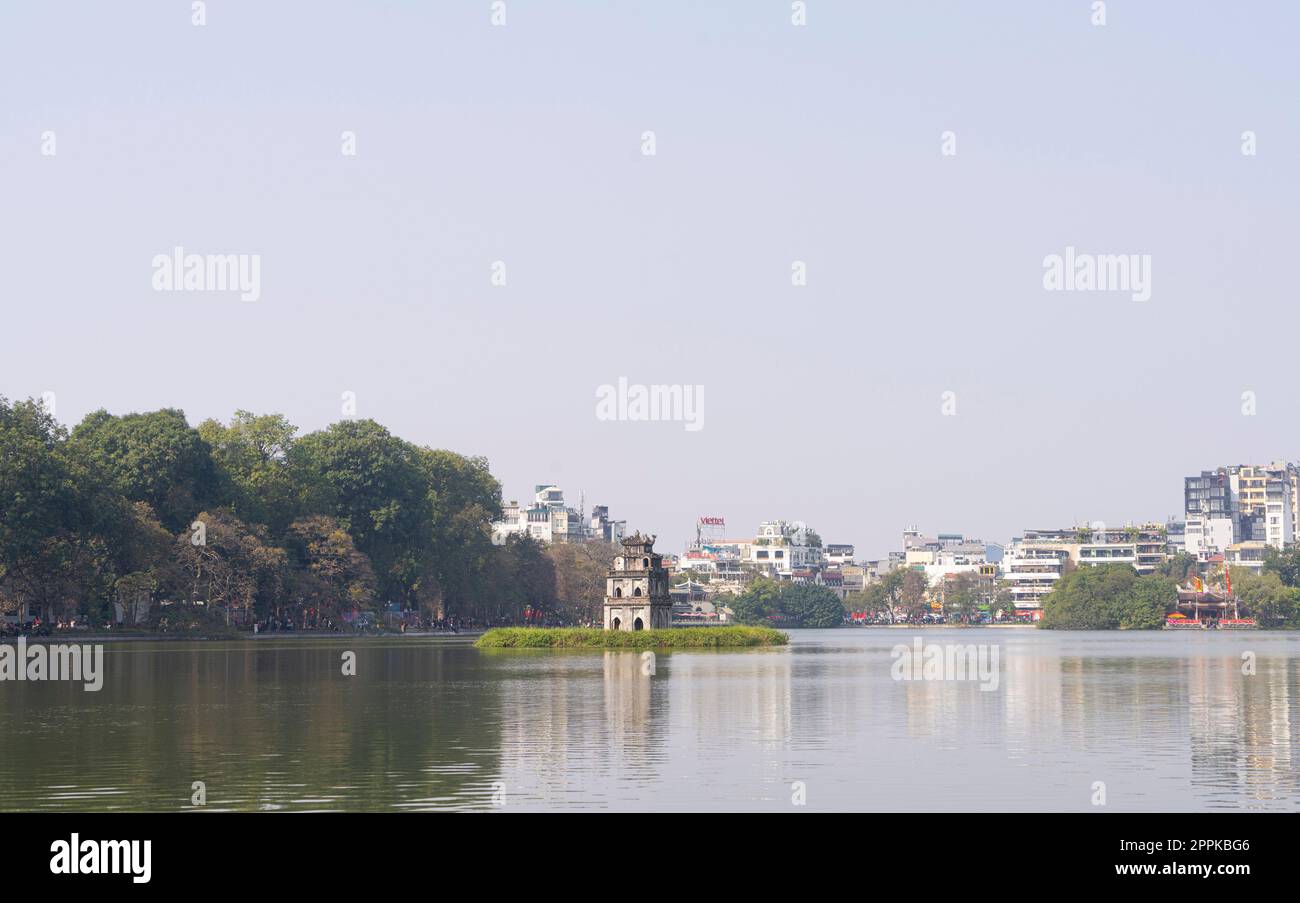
(1227, 577)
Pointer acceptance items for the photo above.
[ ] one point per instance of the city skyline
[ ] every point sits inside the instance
(923, 373)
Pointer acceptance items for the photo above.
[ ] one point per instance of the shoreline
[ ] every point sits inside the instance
(110, 637)
(474, 635)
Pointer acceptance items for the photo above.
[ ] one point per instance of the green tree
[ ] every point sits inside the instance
(1267, 597)
(252, 456)
(1003, 601)
(799, 604)
(37, 501)
(1107, 597)
(759, 601)
(962, 597)
(1153, 596)
(462, 498)
(65, 533)
(913, 594)
(1179, 566)
(156, 458)
(1284, 563)
(372, 483)
(810, 605)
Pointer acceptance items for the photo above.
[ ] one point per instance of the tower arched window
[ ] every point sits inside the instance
(637, 591)
(618, 592)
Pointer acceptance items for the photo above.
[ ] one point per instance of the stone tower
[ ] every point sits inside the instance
(636, 589)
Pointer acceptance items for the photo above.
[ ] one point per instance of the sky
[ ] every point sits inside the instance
(824, 143)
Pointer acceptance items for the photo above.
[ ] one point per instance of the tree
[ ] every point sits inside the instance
(1179, 566)
(522, 575)
(105, 514)
(799, 604)
(36, 493)
(1153, 596)
(252, 456)
(1003, 601)
(332, 576)
(759, 602)
(156, 458)
(912, 594)
(962, 597)
(810, 605)
(462, 499)
(1107, 597)
(63, 529)
(883, 598)
(372, 483)
(580, 570)
(1272, 602)
(1284, 563)
(233, 567)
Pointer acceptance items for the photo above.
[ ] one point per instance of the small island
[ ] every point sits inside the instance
(638, 615)
(596, 638)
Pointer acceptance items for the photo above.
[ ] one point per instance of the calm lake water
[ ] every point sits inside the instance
(1167, 721)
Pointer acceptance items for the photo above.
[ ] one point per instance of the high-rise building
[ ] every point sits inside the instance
(1240, 503)
(1208, 511)
(1265, 494)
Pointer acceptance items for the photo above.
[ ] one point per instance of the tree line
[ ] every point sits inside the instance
(253, 518)
(1115, 596)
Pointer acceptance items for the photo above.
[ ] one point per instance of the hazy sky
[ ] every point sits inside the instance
(774, 143)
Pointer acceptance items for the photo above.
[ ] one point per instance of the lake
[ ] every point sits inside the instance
(1165, 720)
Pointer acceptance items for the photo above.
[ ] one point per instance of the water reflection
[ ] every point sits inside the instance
(1166, 721)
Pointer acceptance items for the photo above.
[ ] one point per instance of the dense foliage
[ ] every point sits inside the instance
(252, 519)
(1271, 596)
(1108, 597)
(795, 604)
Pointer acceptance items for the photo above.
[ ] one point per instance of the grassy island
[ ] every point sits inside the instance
(595, 638)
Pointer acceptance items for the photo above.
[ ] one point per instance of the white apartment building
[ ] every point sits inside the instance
(781, 548)
(549, 520)
(938, 563)
(1034, 562)
(838, 555)
(1266, 502)
(1245, 555)
(1031, 570)
(1206, 536)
